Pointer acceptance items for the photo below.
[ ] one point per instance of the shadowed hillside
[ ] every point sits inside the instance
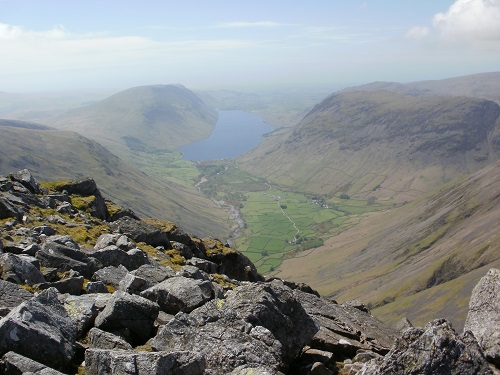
(160, 117)
(419, 260)
(483, 85)
(57, 155)
(382, 144)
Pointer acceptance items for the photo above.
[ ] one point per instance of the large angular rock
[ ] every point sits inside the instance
(27, 180)
(40, 329)
(66, 258)
(119, 240)
(11, 295)
(141, 231)
(8, 209)
(437, 349)
(82, 310)
(113, 256)
(133, 284)
(13, 363)
(134, 313)
(87, 188)
(18, 270)
(96, 287)
(110, 275)
(154, 273)
(258, 324)
(203, 264)
(71, 285)
(344, 329)
(109, 362)
(180, 294)
(100, 339)
(483, 319)
(235, 265)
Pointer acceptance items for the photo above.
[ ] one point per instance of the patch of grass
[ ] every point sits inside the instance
(219, 279)
(175, 257)
(82, 203)
(164, 225)
(54, 185)
(113, 208)
(29, 288)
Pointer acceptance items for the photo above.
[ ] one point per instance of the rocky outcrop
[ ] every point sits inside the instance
(180, 294)
(261, 324)
(104, 362)
(40, 329)
(483, 319)
(436, 349)
(132, 313)
(11, 295)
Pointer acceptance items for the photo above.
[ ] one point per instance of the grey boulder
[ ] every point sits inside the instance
(483, 319)
(40, 329)
(18, 270)
(437, 349)
(180, 294)
(13, 363)
(100, 339)
(124, 311)
(262, 325)
(109, 362)
(11, 295)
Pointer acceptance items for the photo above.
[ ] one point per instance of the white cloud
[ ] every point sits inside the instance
(417, 32)
(470, 20)
(11, 32)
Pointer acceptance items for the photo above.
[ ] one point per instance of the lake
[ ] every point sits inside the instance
(235, 133)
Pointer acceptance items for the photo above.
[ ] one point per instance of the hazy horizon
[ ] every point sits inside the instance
(53, 45)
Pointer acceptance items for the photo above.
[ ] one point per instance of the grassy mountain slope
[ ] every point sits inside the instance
(54, 154)
(382, 144)
(160, 117)
(432, 250)
(483, 85)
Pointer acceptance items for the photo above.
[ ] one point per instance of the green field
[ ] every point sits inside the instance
(279, 223)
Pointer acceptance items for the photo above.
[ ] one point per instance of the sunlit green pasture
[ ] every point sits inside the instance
(267, 237)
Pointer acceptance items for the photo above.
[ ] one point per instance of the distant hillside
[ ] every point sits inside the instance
(160, 117)
(24, 124)
(382, 144)
(483, 85)
(420, 260)
(56, 155)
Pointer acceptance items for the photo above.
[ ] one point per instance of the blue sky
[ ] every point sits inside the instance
(60, 44)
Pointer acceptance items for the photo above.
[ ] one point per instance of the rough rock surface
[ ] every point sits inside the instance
(13, 363)
(260, 324)
(11, 295)
(104, 362)
(40, 329)
(180, 294)
(100, 339)
(344, 329)
(437, 349)
(483, 319)
(140, 231)
(19, 270)
(133, 313)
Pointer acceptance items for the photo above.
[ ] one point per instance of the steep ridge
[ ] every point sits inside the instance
(63, 155)
(415, 261)
(382, 144)
(482, 85)
(147, 117)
